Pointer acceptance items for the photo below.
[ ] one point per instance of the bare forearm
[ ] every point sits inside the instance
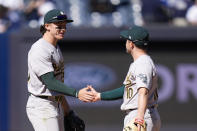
(142, 102)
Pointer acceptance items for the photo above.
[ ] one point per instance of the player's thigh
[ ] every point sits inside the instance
(54, 124)
(44, 124)
(50, 124)
(130, 116)
(37, 123)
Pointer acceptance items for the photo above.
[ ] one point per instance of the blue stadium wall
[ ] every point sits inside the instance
(4, 84)
(103, 53)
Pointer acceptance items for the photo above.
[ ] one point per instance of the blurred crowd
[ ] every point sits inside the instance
(15, 14)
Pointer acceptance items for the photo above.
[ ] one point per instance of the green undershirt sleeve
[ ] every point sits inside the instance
(55, 85)
(113, 94)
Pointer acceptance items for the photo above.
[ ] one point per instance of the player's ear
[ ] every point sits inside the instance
(131, 44)
(47, 27)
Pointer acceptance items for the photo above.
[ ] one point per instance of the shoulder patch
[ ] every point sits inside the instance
(143, 77)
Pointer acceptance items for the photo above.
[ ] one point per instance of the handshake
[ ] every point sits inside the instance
(88, 94)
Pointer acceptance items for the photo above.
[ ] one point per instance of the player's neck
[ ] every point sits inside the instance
(137, 54)
(50, 39)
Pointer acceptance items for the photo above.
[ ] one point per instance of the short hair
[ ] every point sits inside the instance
(42, 29)
(143, 47)
(143, 44)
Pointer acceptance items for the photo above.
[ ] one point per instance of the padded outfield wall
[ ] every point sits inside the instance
(98, 57)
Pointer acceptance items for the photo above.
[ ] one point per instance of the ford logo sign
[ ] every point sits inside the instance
(78, 75)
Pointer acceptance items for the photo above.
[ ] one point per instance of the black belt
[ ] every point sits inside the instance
(43, 97)
(56, 98)
(151, 107)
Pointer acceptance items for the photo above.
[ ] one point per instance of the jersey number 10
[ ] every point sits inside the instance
(129, 93)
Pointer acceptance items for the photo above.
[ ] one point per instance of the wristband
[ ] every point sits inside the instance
(76, 94)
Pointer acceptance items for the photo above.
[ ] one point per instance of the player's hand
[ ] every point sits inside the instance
(136, 125)
(85, 95)
(140, 124)
(97, 95)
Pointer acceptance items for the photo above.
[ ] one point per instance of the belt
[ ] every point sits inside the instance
(151, 107)
(43, 97)
(51, 98)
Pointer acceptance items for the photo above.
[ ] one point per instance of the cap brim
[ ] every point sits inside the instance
(124, 34)
(65, 20)
(69, 21)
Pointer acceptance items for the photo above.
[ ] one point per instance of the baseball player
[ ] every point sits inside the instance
(139, 90)
(46, 77)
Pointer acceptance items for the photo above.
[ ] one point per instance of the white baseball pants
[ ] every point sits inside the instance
(44, 115)
(151, 117)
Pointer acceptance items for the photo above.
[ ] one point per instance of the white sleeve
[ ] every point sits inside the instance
(143, 75)
(40, 62)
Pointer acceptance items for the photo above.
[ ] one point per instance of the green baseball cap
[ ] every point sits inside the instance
(56, 15)
(138, 35)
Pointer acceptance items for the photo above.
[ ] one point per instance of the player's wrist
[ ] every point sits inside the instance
(76, 94)
(99, 96)
(140, 117)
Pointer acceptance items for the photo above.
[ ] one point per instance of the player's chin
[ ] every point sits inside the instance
(128, 51)
(60, 36)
